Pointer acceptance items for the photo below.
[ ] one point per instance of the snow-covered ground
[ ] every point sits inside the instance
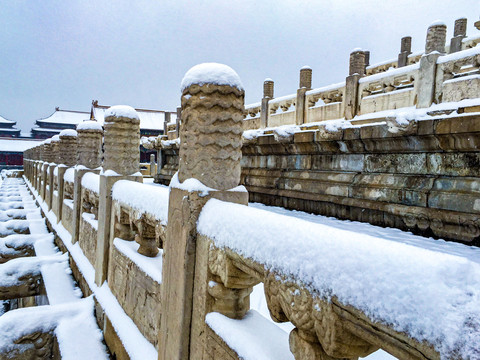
(67, 315)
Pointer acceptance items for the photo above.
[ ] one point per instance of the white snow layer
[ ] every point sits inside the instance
(211, 73)
(143, 198)
(91, 181)
(89, 125)
(253, 337)
(122, 111)
(192, 184)
(429, 294)
(68, 132)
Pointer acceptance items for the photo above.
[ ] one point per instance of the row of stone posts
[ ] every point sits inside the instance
(185, 263)
(360, 60)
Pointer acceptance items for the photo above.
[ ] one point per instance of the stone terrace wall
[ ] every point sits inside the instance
(423, 178)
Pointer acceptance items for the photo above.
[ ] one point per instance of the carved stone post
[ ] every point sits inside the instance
(121, 161)
(68, 149)
(434, 47)
(459, 33)
(405, 50)
(268, 87)
(165, 123)
(356, 71)
(178, 122)
(89, 159)
(304, 86)
(55, 161)
(152, 165)
(210, 151)
(367, 60)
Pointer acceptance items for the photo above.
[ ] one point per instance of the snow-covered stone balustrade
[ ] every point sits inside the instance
(171, 270)
(388, 85)
(347, 293)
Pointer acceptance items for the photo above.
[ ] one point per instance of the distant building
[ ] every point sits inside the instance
(58, 121)
(11, 152)
(7, 128)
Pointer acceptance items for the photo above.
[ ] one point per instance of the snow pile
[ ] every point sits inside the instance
(283, 131)
(196, 185)
(68, 132)
(73, 324)
(69, 175)
(122, 111)
(211, 73)
(429, 294)
(253, 337)
(136, 345)
(143, 198)
(89, 125)
(168, 143)
(152, 266)
(91, 181)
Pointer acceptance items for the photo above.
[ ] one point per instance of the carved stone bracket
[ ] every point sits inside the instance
(146, 237)
(229, 286)
(320, 332)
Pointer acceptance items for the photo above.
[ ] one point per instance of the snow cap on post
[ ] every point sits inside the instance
(211, 132)
(122, 140)
(90, 135)
(211, 73)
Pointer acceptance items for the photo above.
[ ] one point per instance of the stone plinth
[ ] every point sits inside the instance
(210, 152)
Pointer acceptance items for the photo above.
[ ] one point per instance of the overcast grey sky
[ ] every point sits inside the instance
(67, 52)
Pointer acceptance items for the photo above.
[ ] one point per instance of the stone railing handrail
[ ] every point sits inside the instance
(141, 199)
(317, 278)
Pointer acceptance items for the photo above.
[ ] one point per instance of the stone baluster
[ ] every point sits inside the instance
(68, 147)
(434, 47)
(165, 123)
(405, 50)
(89, 147)
(304, 86)
(210, 152)
(89, 159)
(152, 165)
(178, 122)
(55, 161)
(68, 151)
(459, 33)
(356, 71)
(121, 162)
(367, 60)
(268, 87)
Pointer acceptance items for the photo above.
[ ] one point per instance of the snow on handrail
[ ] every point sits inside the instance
(410, 288)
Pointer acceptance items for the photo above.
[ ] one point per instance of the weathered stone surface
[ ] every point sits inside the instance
(211, 133)
(122, 140)
(89, 147)
(138, 294)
